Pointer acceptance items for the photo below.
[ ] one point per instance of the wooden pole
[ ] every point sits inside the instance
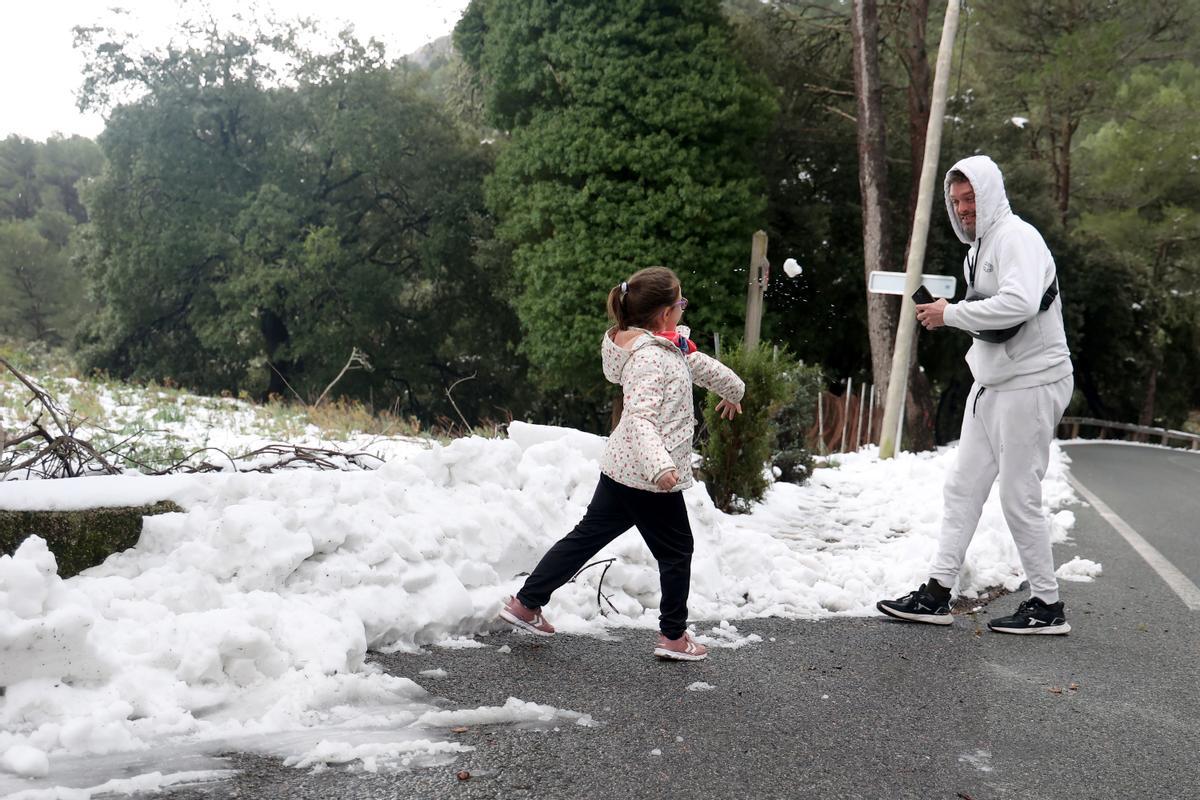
(820, 422)
(862, 404)
(871, 415)
(846, 411)
(905, 332)
(756, 287)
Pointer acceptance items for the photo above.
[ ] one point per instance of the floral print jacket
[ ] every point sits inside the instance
(655, 431)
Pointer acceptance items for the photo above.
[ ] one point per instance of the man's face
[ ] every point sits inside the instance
(962, 197)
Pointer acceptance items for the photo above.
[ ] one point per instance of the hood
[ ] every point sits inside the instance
(991, 201)
(616, 357)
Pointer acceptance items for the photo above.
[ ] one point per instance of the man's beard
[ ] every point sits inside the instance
(969, 230)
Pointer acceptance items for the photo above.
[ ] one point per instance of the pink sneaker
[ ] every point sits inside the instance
(524, 618)
(682, 649)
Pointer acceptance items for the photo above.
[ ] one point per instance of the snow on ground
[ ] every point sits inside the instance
(244, 622)
(168, 420)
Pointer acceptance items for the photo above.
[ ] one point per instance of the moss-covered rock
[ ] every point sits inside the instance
(79, 539)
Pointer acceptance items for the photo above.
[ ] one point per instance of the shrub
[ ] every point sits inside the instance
(792, 458)
(736, 452)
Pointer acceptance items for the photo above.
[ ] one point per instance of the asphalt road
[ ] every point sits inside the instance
(1155, 490)
(850, 708)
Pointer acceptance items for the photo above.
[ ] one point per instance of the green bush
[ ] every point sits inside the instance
(792, 458)
(737, 452)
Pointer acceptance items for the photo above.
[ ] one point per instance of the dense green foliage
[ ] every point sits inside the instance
(632, 130)
(1033, 96)
(737, 452)
(791, 459)
(1101, 164)
(41, 296)
(258, 210)
(250, 237)
(1142, 183)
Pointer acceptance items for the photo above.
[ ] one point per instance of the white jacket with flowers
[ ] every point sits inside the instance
(655, 431)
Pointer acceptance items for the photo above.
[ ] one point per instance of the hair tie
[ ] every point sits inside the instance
(624, 288)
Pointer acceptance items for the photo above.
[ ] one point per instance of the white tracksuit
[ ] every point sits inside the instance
(1021, 387)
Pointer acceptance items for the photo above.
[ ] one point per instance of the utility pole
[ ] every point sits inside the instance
(898, 384)
(756, 288)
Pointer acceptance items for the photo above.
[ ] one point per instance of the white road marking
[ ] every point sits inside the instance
(1188, 592)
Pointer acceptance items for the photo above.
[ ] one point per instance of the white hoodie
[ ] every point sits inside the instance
(1013, 269)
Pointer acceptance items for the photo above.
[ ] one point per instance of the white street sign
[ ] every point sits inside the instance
(881, 282)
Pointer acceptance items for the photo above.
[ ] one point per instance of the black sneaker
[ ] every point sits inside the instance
(919, 606)
(1033, 616)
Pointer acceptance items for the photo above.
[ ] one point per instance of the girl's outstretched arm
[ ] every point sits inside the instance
(716, 377)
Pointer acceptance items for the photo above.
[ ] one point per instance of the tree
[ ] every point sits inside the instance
(1060, 63)
(20, 197)
(882, 311)
(34, 290)
(40, 297)
(266, 210)
(1142, 182)
(833, 55)
(632, 130)
(813, 201)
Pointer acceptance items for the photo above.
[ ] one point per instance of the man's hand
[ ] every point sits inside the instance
(667, 480)
(931, 315)
(728, 410)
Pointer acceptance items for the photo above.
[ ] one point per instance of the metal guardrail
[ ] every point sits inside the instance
(1164, 435)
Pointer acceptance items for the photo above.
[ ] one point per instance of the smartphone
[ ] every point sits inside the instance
(922, 296)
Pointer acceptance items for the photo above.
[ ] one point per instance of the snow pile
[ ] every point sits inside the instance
(44, 624)
(1079, 569)
(251, 614)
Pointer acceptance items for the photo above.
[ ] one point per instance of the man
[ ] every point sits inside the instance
(1023, 382)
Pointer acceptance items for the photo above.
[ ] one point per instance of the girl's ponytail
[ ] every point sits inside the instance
(616, 305)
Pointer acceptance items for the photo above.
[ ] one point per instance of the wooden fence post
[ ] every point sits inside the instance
(756, 287)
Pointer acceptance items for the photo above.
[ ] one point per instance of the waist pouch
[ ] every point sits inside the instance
(1004, 334)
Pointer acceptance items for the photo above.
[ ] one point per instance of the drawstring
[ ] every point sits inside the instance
(971, 263)
(975, 405)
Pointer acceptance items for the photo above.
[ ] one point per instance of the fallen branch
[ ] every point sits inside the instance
(60, 455)
(600, 587)
(40, 452)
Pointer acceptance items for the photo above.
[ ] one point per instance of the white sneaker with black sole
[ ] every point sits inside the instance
(920, 605)
(1034, 616)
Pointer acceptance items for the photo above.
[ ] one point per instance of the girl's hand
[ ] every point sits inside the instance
(668, 480)
(728, 410)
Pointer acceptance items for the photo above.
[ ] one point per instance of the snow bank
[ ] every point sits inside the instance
(251, 614)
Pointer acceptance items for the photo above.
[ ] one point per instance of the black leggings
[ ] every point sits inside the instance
(661, 518)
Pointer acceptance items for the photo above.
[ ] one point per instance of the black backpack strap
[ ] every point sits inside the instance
(1050, 294)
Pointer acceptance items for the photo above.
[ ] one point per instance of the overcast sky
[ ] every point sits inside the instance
(40, 72)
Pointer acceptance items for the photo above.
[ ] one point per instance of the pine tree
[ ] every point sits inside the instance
(631, 141)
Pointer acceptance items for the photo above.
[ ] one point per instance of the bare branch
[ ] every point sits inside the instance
(358, 360)
(840, 113)
(450, 397)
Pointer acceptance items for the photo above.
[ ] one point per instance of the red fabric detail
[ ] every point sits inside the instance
(685, 345)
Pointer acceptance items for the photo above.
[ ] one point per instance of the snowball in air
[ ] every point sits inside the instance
(792, 268)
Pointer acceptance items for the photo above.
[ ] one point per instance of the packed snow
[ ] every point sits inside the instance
(244, 622)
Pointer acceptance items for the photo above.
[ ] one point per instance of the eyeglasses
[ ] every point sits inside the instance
(681, 302)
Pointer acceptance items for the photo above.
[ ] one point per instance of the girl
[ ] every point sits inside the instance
(647, 462)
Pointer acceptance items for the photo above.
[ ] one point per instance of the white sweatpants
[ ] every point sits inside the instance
(1008, 434)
